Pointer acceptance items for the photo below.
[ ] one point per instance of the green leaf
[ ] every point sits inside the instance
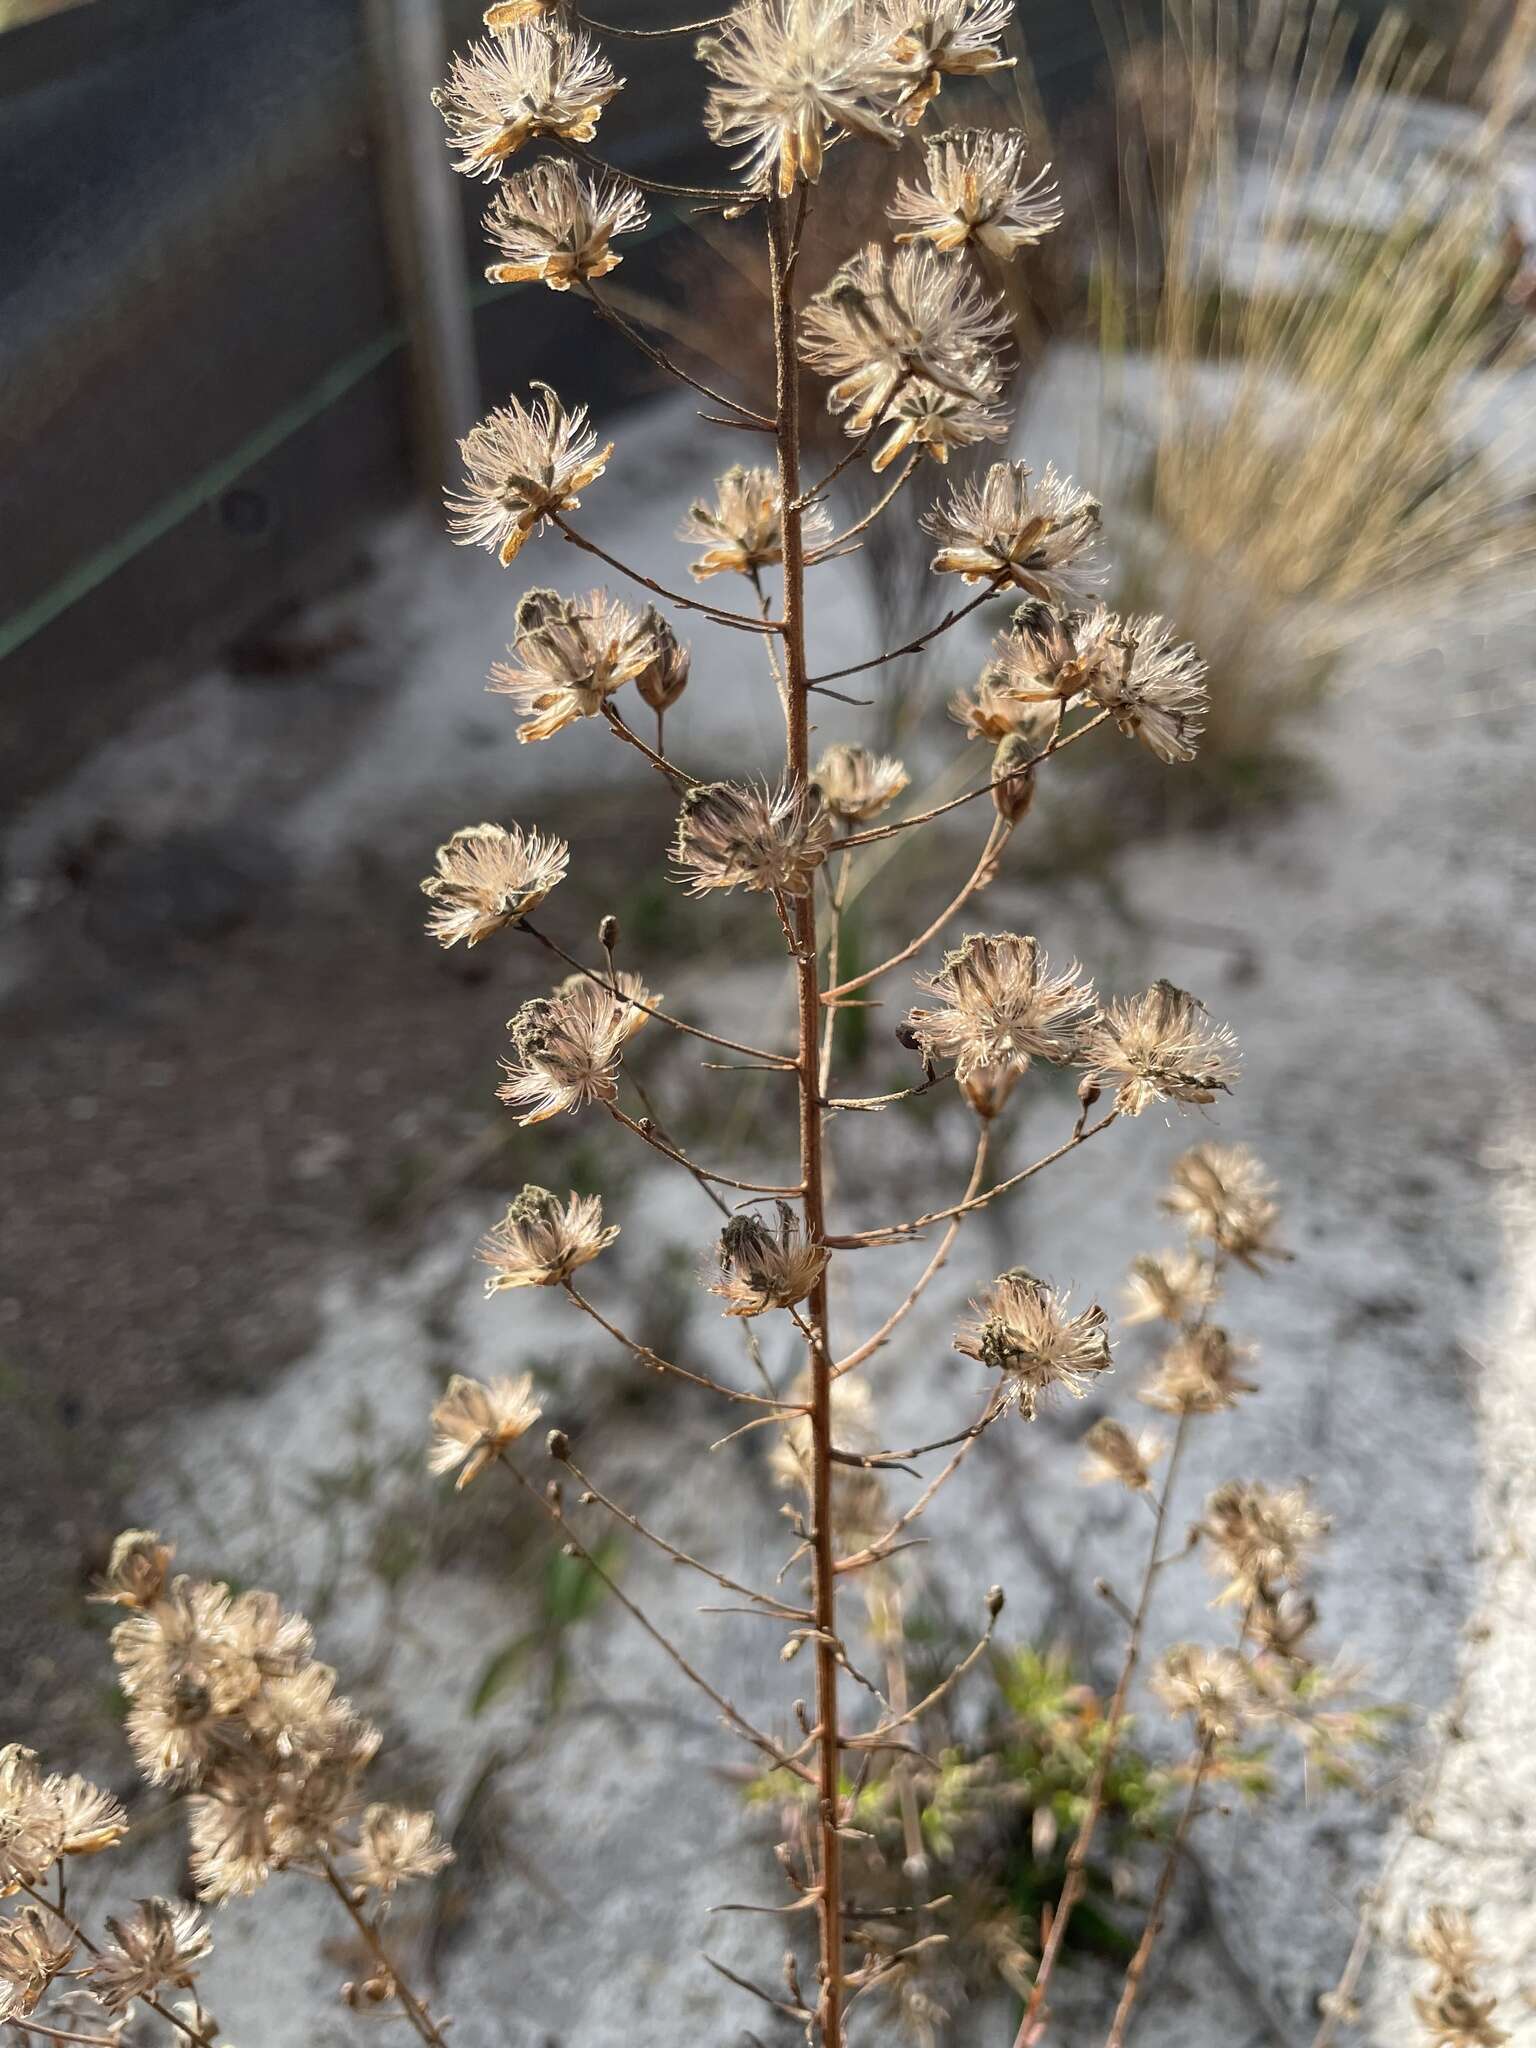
(571, 1588)
(499, 1671)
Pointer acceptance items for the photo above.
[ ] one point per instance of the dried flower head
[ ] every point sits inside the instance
(733, 835)
(90, 1819)
(1455, 2012)
(1156, 692)
(34, 1949)
(1446, 1941)
(507, 14)
(1048, 657)
(794, 76)
(541, 1241)
(569, 656)
(975, 191)
(1022, 1328)
(857, 785)
(488, 877)
(136, 1570)
(1039, 536)
(521, 83)
(936, 38)
(992, 712)
(395, 1847)
(475, 1421)
(231, 1849)
(1261, 1539)
(884, 320)
(928, 418)
(665, 676)
(161, 1944)
(566, 1046)
(522, 464)
(1199, 1374)
(999, 1003)
(743, 530)
(555, 226)
(1215, 1687)
(31, 1825)
(763, 1268)
(1113, 1453)
(1172, 1287)
(1224, 1194)
(1159, 1047)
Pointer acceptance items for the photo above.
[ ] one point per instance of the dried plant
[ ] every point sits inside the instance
(225, 1701)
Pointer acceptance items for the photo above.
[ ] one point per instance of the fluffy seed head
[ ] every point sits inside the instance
(1199, 1374)
(34, 1949)
(743, 530)
(569, 656)
(1261, 1539)
(566, 1046)
(1046, 656)
(1040, 536)
(475, 1421)
(733, 835)
(975, 192)
(1113, 1453)
(521, 465)
(792, 77)
(1214, 1687)
(31, 1825)
(136, 1570)
(763, 1268)
(1224, 1194)
(541, 1241)
(934, 421)
(526, 82)
(555, 225)
(1156, 692)
(1022, 1328)
(90, 1819)
(993, 713)
(885, 320)
(160, 1944)
(856, 785)
(1013, 778)
(489, 877)
(1172, 1287)
(1159, 1047)
(395, 1847)
(999, 1003)
(944, 38)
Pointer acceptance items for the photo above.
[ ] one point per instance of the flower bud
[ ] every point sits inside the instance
(1014, 759)
(608, 933)
(558, 1445)
(665, 676)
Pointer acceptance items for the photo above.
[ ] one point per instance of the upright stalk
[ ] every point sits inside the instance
(808, 993)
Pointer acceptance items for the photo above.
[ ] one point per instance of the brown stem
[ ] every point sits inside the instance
(913, 646)
(829, 1907)
(981, 875)
(1057, 743)
(654, 755)
(688, 604)
(723, 1180)
(421, 2020)
(1138, 1964)
(201, 2037)
(1077, 1861)
(659, 1364)
(663, 361)
(839, 541)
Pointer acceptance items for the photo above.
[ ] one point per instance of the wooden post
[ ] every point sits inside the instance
(408, 56)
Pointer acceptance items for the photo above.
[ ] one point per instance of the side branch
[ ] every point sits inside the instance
(1057, 745)
(739, 620)
(665, 1365)
(913, 646)
(662, 361)
(984, 872)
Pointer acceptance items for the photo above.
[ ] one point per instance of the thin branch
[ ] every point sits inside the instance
(893, 1233)
(652, 35)
(657, 759)
(774, 1060)
(779, 1609)
(840, 541)
(723, 1180)
(717, 193)
(874, 1460)
(1075, 1881)
(873, 1344)
(737, 1720)
(421, 2020)
(1056, 745)
(873, 1103)
(984, 872)
(875, 1738)
(886, 1545)
(662, 361)
(201, 2036)
(913, 646)
(689, 604)
(665, 1365)
(1138, 1964)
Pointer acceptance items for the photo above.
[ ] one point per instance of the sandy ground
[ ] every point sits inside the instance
(265, 1218)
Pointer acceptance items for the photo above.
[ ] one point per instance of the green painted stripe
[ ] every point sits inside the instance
(90, 574)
